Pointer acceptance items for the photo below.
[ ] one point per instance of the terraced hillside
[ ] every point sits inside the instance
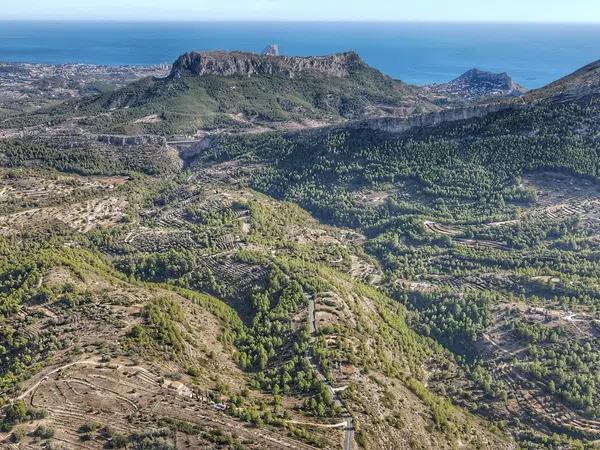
(475, 224)
(110, 342)
(338, 287)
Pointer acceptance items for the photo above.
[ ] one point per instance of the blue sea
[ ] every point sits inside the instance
(418, 53)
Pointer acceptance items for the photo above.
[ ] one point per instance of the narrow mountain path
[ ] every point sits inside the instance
(312, 326)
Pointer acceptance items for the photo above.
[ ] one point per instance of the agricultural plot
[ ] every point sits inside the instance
(159, 240)
(238, 277)
(561, 195)
(37, 199)
(82, 217)
(556, 198)
(510, 354)
(91, 404)
(365, 271)
(19, 189)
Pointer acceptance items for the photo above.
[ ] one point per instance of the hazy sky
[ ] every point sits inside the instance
(351, 10)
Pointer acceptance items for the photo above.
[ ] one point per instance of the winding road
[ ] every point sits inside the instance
(312, 326)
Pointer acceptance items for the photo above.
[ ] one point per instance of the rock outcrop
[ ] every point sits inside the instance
(250, 64)
(125, 141)
(399, 125)
(476, 84)
(271, 50)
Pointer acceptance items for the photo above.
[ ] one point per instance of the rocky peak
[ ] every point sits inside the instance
(488, 81)
(475, 84)
(222, 63)
(271, 50)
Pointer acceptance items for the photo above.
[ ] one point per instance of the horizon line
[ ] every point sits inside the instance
(338, 21)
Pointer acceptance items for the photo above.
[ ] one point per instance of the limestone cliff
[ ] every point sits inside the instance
(221, 63)
(401, 124)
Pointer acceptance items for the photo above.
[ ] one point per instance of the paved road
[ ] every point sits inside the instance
(188, 140)
(312, 327)
(349, 435)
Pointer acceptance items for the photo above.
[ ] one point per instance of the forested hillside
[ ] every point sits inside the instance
(265, 268)
(486, 229)
(480, 160)
(343, 88)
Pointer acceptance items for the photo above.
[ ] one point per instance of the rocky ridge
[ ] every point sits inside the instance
(433, 119)
(579, 84)
(476, 84)
(222, 63)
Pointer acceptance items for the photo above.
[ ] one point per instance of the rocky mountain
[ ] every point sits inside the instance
(245, 91)
(240, 92)
(271, 50)
(476, 84)
(220, 63)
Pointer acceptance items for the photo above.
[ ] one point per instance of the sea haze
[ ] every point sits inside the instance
(420, 53)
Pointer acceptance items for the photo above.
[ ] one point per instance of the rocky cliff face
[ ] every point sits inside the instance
(249, 64)
(399, 125)
(476, 84)
(126, 141)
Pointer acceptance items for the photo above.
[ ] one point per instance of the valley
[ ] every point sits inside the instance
(264, 252)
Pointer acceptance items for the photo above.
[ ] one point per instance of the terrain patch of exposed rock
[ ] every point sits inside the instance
(222, 63)
(401, 124)
(475, 84)
(271, 50)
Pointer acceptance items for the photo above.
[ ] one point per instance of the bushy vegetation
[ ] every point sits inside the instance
(19, 412)
(449, 287)
(191, 102)
(455, 319)
(85, 158)
(163, 325)
(468, 174)
(479, 160)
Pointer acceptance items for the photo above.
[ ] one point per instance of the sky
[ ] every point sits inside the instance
(585, 11)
